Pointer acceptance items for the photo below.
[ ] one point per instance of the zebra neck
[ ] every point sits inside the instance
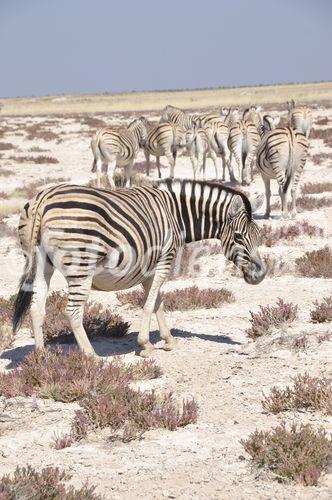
(199, 208)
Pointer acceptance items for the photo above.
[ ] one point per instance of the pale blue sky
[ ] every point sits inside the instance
(89, 46)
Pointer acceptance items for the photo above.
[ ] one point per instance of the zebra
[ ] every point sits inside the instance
(176, 115)
(164, 139)
(198, 148)
(300, 118)
(118, 148)
(243, 142)
(114, 239)
(281, 155)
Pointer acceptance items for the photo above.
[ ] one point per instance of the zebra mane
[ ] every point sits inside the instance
(178, 183)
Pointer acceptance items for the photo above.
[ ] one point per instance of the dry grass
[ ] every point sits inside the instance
(299, 453)
(97, 321)
(48, 484)
(323, 311)
(320, 158)
(324, 134)
(102, 391)
(183, 299)
(316, 264)
(40, 160)
(307, 393)
(272, 236)
(38, 131)
(316, 187)
(5, 146)
(271, 317)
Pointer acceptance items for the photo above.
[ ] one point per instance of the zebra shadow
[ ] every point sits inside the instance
(109, 346)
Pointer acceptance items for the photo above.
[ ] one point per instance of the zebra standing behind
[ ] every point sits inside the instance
(300, 118)
(164, 139)
(118, 148)
(198, 148)
(113, 240)
(281, 155)
(176, 115)
(243, 142)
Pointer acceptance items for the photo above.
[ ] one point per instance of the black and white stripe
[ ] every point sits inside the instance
(118, 148)
(113, 240)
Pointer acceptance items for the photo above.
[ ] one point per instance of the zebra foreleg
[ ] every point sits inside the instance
(99, 165)
(230, 168)
(158, 166)
(147, 161)
(152, 287)
(171, 159)
(40, 289)
(294, 195)
(77, 297)
(111, 165)
(129, 170)
(267, 196)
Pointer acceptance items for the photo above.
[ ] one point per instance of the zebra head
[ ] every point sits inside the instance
(241, 237)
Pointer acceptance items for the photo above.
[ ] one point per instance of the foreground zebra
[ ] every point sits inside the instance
(118, 148)
(281, 155)
(164, 139)
(113, 240)
(300, 118)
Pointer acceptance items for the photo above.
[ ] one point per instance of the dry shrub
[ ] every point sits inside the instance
(96, 321)
(93, 122)
(183, 299)
(324, 134)
(323, 311)
(37, 131)
(4, 146)
(300, 343)
(308, 203)
(319, 158)
(102, 391)
(48, 484)
(316, 187)
(298, 453)
(272, 236)
(42, 159)
(307, 392)
(270, 317)
(63, 441)
(37, 149)
(316, 264)
(322, 121)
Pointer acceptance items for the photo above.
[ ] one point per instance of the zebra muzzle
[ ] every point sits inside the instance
(255, 273)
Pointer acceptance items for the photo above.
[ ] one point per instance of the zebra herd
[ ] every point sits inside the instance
(279, 152)
(115, 239)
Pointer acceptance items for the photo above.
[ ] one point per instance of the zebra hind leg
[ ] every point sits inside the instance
(267, 196)
(165, 333)
(40, 289)
(78, 295)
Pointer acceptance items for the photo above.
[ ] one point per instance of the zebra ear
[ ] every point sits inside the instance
(257, 203)
(237, 204)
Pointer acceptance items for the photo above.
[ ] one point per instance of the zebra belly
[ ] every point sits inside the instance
(106, 281)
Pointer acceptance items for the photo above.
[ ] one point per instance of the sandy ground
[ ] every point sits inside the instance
(213, 362)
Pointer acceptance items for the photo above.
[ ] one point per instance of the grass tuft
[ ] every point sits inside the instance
(270, 317)
(183, 299)
(323, 311)
(298, 453)
(307, 393)
(316, 264)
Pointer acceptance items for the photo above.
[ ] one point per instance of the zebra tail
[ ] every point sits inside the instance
(289, 169)
(25, 293)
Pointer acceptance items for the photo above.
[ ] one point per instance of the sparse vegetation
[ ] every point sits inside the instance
(316, 264)
(48, 484)
(307, 393)
(4, 146)
(316, 187)
(270, 317)
(38, 131)
(42, 159)
(319, 158)
(274, 266)
(323, 311)
(272, 236)
(299, 453)
(324, 134)
(96, 320)
(182, 299)
(102, 391)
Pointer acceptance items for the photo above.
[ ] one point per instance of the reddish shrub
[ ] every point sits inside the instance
(34, 159)
(300, 453)
(316, 187)
(323, 311)
(48, 484)
(308, 392)
(272, 236)
(183, 299)
(270, 317)
(4, 146)
(316, 264)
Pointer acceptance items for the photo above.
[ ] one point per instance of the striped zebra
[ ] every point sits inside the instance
(300, 118)
(281, 155)
(181, 118)
(243, 141)
(118, 148)
(164, 139)
(113, 240)
(198, 149)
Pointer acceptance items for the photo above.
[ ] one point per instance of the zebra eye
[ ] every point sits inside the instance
(238, 238)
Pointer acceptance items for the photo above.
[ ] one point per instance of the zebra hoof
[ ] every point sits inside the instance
(146, 352)
(169, 346)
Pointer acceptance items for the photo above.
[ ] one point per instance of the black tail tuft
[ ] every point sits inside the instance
(174, 152)
(286, 185)
(23, 298)
(94, 165)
